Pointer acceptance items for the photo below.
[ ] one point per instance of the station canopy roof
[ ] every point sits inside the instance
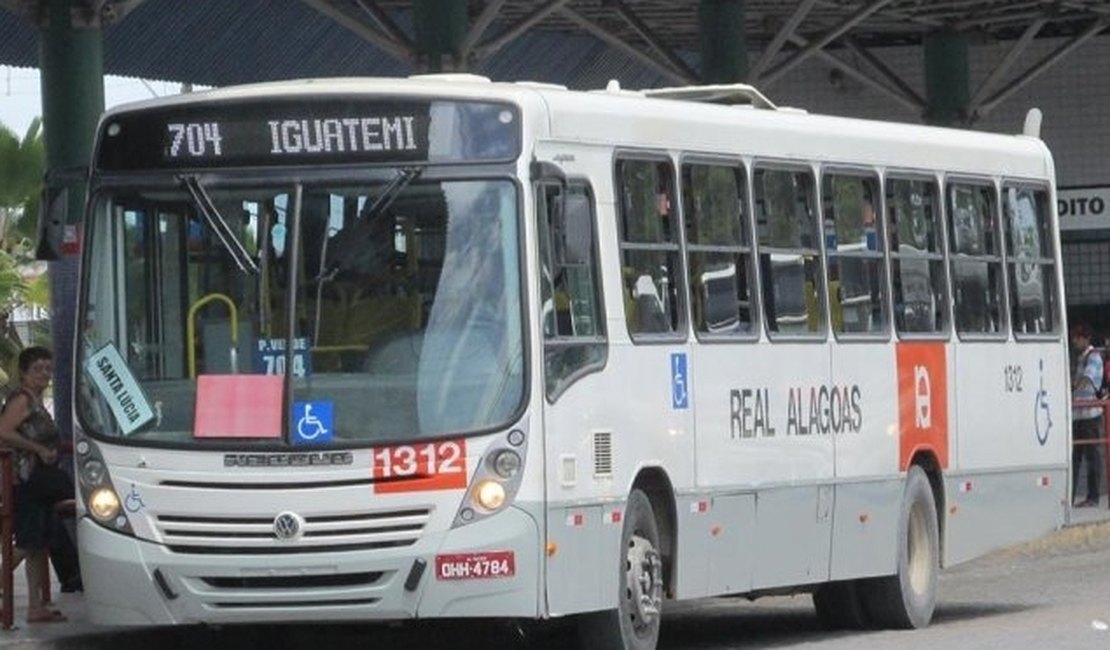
(580, 43)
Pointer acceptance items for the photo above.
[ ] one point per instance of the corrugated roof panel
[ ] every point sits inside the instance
(19, 43)
(215, 42)
(221, 42)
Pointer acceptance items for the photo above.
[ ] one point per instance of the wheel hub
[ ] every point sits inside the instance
(644, 580)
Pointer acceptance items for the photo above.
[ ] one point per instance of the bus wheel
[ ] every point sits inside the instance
(839, 606)
(907, 599)
(634, 624)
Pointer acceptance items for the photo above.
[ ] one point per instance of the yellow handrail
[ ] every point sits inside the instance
(190, 327)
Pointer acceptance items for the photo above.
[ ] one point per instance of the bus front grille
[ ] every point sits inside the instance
(295, 582)
(214, 534)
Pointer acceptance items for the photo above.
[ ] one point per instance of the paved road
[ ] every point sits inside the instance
(1051, 594)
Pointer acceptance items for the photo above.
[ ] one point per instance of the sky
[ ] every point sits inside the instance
(21, 99)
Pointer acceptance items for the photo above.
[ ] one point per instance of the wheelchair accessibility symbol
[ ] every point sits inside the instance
(133, 502)
(312, 423)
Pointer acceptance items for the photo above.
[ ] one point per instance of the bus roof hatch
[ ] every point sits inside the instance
(715, 94)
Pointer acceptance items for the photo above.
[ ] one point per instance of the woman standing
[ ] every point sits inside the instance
(42, 489)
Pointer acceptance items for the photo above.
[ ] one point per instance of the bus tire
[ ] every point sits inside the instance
(906, 599)
(839, 606)
(634, 624)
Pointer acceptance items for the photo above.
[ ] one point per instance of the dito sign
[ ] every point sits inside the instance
(1083, 208)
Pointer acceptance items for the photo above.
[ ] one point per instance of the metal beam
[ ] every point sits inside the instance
(113, 12)
(1083, 6)
(523, 25)
(1006, 63)
(480, 25)
(780, 38)
(385, 23)
(644, 32)
(1015, 14)
(399, 51)
(893, 13)
(830, 36)
(884, 71)
(1035, 71)
(915, 106)
(618, 43)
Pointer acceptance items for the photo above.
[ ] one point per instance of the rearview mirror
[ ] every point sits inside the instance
(573, 229)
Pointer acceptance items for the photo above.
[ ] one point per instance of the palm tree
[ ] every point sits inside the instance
(21, 168)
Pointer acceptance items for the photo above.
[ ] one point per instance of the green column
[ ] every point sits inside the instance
(72, 66)
(440, 27)
(724, 54)
(947, 85)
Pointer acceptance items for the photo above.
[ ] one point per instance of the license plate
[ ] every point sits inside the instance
(475, 566)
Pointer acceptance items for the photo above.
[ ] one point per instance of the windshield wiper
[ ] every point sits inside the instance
(390, 192)
(219, 225)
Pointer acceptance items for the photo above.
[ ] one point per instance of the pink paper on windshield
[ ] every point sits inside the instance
(238, 406)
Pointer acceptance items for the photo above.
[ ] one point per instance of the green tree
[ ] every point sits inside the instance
(21, 167)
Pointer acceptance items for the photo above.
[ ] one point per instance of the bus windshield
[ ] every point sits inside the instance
(391, 308)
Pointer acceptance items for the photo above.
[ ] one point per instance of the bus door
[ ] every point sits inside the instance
(577, 430)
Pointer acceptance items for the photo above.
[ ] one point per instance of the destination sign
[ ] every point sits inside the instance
(318, 130)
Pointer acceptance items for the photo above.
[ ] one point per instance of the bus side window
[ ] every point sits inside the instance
(855, 255)
(1030, 266)
(719, 252)
(917, 257)
(789, 255)
(570, 286)
(649, 247)
(976, 258)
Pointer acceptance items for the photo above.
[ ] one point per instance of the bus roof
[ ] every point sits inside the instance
(678, 119)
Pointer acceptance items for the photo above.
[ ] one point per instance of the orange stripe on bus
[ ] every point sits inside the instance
(922, 402)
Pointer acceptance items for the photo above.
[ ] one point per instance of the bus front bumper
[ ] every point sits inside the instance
(134, 582)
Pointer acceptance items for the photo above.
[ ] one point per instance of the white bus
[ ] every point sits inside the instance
(385, 349)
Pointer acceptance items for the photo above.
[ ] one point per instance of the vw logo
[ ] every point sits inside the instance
(288, 525)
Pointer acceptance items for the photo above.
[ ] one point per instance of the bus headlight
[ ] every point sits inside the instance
(496, 479)
(104, 504)
(94, 484)
(489, 495)
(93, 472)
(506, 463)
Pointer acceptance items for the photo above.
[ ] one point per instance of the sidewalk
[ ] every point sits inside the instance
(1081, 516)
(44, 635)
